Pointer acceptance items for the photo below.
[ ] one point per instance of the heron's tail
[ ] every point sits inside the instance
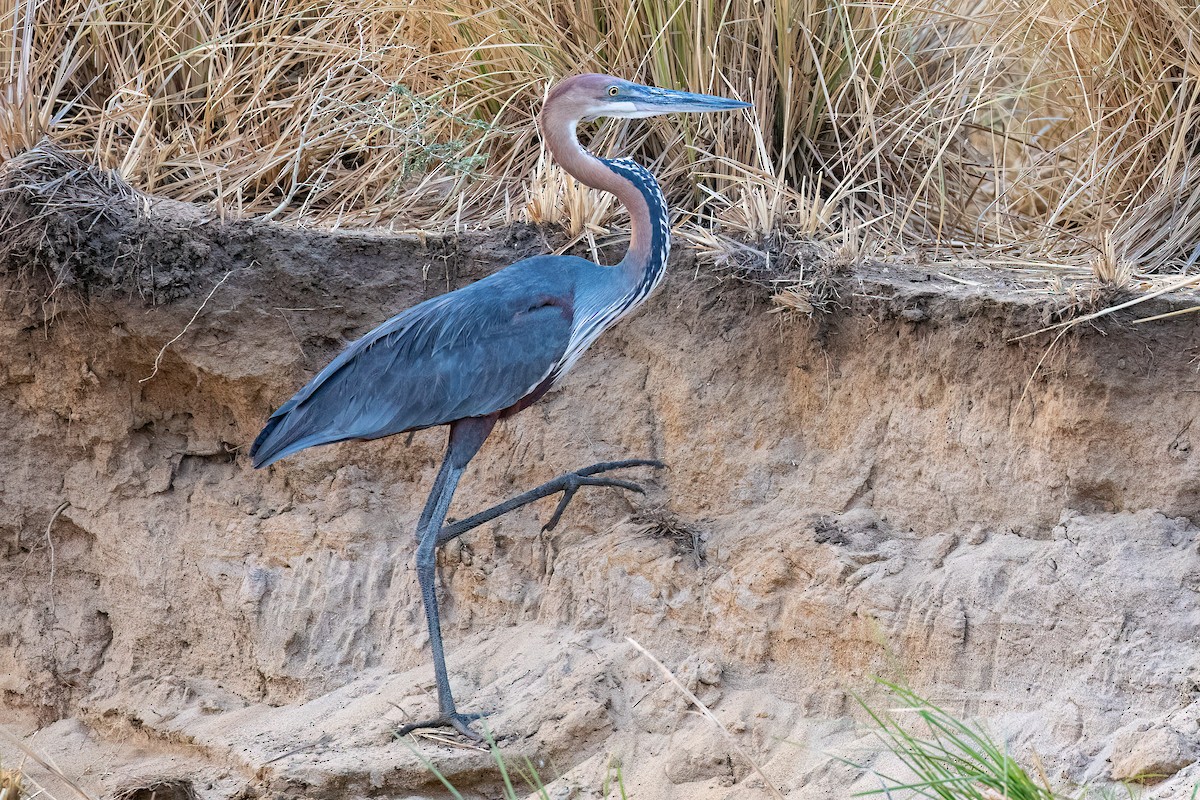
(264, 451)
(290, 430)
(295, 427)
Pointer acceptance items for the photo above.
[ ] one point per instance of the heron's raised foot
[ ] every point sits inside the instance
(568, 483)
(455, 720)
(574, 481)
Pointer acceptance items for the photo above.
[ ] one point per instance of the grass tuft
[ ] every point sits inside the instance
(949, 759)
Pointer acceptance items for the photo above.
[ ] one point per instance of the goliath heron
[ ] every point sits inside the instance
(488, 350)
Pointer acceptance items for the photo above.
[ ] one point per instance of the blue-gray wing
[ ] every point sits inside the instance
(468, 353)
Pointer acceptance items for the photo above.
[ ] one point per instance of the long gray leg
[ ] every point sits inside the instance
(466, 437)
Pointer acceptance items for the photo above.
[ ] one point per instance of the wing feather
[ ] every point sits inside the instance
(469, 353)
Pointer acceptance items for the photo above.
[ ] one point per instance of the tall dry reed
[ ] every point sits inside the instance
(1051, 129)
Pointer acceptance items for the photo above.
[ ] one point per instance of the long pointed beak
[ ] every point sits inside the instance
(650, 100)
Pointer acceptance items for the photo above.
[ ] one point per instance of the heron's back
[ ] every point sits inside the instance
(469, 353)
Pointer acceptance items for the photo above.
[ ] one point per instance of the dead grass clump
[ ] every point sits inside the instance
(804, 275)
(661, 523)
(52, 204)
(158, 789)
(45, 179)
(12, 782)
(962, 123)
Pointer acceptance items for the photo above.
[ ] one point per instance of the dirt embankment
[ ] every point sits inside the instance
(897, 490)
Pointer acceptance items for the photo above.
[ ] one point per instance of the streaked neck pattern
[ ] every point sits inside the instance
(642, 269)
(649, 273)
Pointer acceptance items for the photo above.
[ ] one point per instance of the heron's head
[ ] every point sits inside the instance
(586, 97)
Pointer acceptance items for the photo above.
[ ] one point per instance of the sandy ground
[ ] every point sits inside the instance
(898, 490)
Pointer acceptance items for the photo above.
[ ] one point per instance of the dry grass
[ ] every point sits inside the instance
(158, 789)
(661, 523)
(26, 783)
(12, 784)
(1035, 130)
(707, 713)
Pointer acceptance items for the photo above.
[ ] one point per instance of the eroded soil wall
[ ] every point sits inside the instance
(896, 489)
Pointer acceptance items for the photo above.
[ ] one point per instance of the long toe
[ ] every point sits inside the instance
(462, 724)
(607, 466)
(615, 483)
(568, 484)
(459, 722)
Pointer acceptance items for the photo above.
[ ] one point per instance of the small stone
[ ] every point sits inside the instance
(1152, 755)
(978, 535)
(708, 672)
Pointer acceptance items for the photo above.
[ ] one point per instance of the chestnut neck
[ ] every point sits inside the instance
(632, 184)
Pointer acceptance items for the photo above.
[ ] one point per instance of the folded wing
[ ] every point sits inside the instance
(468, 353)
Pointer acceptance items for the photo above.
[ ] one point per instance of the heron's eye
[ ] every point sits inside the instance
(612, 91)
